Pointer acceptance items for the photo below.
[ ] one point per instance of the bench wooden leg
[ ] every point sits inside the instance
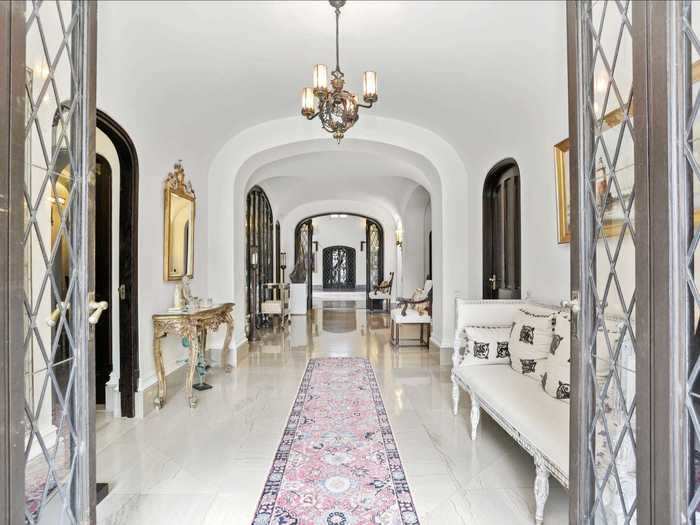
(475, 414)
(455, 397)
(541, 488)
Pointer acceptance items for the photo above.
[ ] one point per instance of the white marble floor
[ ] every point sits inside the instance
(208, 465)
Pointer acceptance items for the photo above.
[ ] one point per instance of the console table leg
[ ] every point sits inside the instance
(455, 397)
(194, 354)
(475, 415)
(541, 488)
(227, 341)
(160, 370)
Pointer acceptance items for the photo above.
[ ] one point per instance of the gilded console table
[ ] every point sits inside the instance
(194, 325)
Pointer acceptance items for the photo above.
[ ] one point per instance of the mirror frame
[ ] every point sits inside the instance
(175, 185)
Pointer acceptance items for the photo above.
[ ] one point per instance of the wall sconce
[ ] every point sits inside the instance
(362, 245)
(283, 263)
(399, 238)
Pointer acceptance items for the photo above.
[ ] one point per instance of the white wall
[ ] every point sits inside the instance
(348, 231)
(414, 267)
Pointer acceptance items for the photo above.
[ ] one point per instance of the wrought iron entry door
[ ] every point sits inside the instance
(604, 263)
(339, 267)
(51, 152)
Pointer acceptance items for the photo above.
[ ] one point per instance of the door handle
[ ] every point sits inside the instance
(97, 308)
(572, 305)
(122, 292)
(53, 318)
(492, 280)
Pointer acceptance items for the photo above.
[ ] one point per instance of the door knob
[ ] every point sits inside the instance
(492, 280)
(97, 308)
(573, 303)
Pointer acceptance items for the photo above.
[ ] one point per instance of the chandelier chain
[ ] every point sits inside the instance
(337, 39)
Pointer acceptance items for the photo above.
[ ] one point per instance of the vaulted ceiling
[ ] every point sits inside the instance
(204, 71)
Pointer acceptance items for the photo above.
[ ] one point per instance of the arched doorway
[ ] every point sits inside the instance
(127, 260)
(259, 236)
(501, 234)
(304, 250)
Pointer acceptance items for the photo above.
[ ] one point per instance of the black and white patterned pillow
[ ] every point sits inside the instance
(531, 340)
(488, 344)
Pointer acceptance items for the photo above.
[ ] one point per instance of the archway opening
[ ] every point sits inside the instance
(316, 242)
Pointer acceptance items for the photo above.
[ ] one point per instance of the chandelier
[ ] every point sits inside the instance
(338, 109)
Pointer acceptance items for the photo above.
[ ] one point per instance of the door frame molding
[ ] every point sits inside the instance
(129, 370)
(12, 103)
(487, 224)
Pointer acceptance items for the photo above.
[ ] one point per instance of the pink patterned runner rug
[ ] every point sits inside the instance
(337, 463)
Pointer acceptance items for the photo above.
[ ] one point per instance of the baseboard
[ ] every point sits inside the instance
(445, 352)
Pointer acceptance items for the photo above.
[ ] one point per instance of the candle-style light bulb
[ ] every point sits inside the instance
(308, 102)
(369, 86)
(320, 79)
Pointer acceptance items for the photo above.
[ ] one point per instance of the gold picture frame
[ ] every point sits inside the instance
(563, 193)
(178, 226)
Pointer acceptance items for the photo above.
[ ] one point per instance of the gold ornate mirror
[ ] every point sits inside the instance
(178, 235)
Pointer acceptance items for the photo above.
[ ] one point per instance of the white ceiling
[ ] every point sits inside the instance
(204, 71)
(336, 175)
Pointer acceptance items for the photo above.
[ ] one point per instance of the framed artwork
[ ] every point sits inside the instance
(612, 196)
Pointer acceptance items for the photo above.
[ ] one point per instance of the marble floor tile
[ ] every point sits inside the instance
(208, 466)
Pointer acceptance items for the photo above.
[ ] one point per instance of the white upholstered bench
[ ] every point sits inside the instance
(536, 421)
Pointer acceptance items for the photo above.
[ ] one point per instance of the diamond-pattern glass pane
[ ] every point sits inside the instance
(690, 77)
(53, 212)
(374, 254)
(610, 347)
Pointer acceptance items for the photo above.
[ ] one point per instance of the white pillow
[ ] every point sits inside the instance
(488, 343)
(556, 376)
(530, 341)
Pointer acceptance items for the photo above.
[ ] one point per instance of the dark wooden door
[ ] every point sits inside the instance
(338, 267)
(502, 232)
(103, 274)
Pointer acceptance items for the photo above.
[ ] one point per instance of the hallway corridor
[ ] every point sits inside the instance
(209, 465)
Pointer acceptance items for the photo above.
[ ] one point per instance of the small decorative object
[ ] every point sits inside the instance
(399, 238)
(187, 292)
(177, 297)
(338, 109)
(298, 274)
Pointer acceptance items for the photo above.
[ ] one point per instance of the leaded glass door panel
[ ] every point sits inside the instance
(375, 257)
(604, 264)
(53, 176)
